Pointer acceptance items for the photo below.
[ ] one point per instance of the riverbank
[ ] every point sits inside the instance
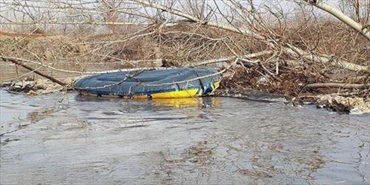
(333, 102)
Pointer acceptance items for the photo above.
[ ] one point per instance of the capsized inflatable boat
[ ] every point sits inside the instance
(162, 83)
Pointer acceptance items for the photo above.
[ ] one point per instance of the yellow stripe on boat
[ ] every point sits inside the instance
(188, 93)
(173, 94)
(215, 85)
(177, 94)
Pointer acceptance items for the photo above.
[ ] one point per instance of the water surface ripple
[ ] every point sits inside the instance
(69, 139)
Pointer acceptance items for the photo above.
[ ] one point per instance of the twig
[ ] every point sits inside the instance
(337, 85)
(294, 51)
(5, 58)
(194, 19)
(35, 71)
(269, 72)
(23, 75)
(342, 17)
(225, 59)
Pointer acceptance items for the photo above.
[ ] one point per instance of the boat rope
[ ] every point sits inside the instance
(152, 85)
(111, 85)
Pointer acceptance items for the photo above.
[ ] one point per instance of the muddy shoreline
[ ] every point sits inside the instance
(345, 103)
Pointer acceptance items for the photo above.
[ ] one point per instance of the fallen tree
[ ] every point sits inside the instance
(289, 49)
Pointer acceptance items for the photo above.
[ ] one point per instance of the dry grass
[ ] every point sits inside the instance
(186, 43)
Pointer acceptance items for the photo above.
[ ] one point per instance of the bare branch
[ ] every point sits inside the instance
(341, 16)
(337, 85)
(325, 59)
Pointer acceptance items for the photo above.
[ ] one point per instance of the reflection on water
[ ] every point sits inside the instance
(56, 139)
(158, 103)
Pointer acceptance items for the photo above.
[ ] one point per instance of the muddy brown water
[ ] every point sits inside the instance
(69, 139)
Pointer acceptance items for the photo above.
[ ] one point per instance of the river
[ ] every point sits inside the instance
(63, 138)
